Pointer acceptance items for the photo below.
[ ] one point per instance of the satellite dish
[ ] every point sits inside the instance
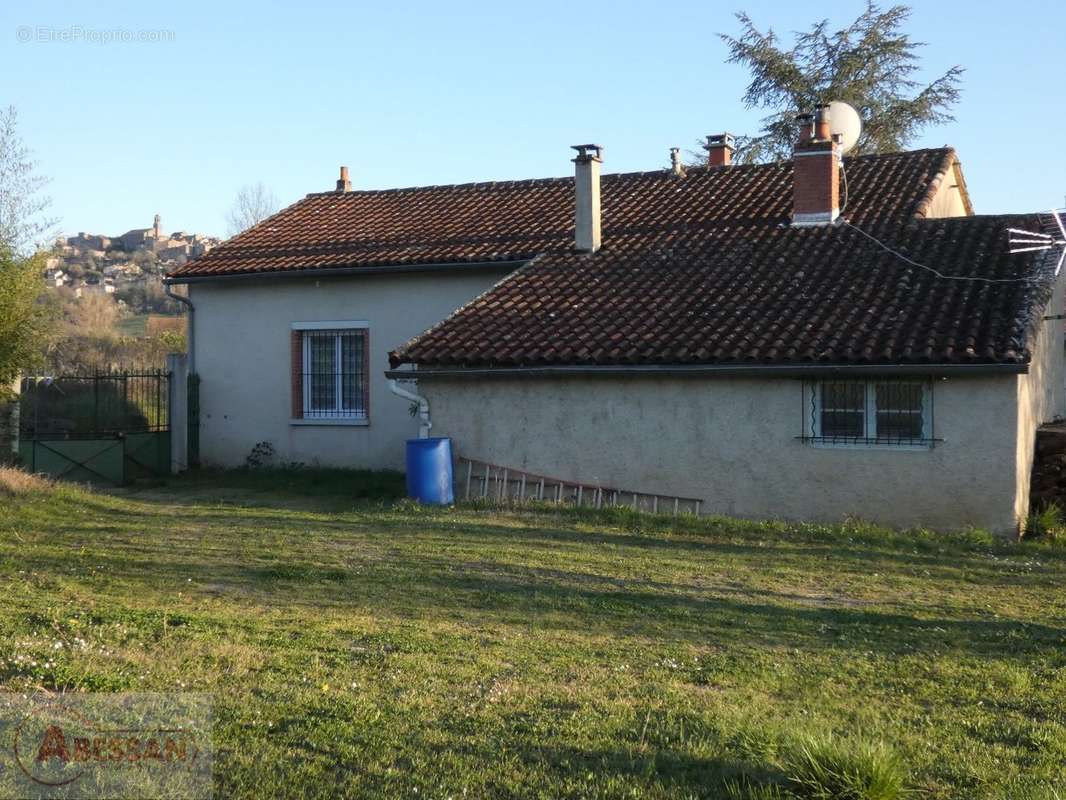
(844, 119)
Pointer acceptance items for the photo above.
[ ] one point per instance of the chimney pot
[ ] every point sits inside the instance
(719, 149)
(344, 185)
(805, 127)
(821, 124)
(676, 166)
(587, 196)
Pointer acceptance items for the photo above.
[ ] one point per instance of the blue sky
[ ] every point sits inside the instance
(408, 94)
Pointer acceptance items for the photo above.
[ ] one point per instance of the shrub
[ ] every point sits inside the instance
(825, 768)
(15, 482)
(1048, 521)
(25, 324)
(262, 455)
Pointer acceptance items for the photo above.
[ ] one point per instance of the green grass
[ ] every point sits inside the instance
(132, 325)
(372, 648)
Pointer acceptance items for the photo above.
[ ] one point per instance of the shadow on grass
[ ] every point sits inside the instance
(411, 561)
(341, 485)
(954, 560)
(399, 583)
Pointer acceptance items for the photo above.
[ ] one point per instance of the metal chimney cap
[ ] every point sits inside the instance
(720, 140)
(583, 151)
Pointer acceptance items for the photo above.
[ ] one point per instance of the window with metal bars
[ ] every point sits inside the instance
(334, 380)
(879, 411)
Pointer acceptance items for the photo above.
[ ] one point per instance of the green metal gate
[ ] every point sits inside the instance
(104, 426)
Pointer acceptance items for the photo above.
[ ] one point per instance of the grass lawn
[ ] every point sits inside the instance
(360, 648)
(132, 325)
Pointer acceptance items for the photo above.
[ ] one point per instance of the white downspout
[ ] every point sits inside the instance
(423, 407)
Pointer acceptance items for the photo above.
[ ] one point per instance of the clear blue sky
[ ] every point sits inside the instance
(444, 92)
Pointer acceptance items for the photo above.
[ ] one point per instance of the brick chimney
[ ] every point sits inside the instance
(344, 185)
(815, 171)
(587, 197)
(719, 149)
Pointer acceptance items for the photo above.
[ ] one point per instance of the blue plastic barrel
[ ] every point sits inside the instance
(429, 470)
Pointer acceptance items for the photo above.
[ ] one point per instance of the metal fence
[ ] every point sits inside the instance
(93, 404)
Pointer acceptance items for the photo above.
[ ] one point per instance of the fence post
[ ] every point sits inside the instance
(178, 410)
(194, 420)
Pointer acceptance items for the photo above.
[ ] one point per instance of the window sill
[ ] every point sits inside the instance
(351, 422)
(842, 443)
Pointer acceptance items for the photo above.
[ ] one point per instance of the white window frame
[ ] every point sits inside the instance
(337, 416)
(869, 439)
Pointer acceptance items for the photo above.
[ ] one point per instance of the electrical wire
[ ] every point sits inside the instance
(936, 272)
(911, 261)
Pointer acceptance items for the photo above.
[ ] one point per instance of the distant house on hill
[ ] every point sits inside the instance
(745, 335)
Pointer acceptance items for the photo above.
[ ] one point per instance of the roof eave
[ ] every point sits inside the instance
(319, 272)
(720, 370)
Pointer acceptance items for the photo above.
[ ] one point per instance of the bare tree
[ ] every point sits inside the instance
(93, 315)
(23, 224)
(254, 203)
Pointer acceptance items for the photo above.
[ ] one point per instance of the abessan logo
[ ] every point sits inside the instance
(131, 744)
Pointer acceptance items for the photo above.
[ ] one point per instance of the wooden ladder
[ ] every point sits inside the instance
(484, 481)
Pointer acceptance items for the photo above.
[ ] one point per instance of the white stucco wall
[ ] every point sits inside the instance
(243, 330)
(1041, 393)
(948, 202)
(732, 443)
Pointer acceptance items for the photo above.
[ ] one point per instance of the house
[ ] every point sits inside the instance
(807, 340)
(292, 321)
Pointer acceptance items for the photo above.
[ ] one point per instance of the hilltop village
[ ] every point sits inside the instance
(132, 263)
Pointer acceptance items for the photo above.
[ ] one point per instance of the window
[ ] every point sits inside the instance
(843, 410)
(873, 412)
(330, 372)
(900, 410)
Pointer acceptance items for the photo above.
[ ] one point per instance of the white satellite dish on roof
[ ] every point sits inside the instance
(845, 120)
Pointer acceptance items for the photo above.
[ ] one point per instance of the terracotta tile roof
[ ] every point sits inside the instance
(515, 221)
(758, 294)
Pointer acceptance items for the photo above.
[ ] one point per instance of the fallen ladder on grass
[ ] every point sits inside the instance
(485, 481)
